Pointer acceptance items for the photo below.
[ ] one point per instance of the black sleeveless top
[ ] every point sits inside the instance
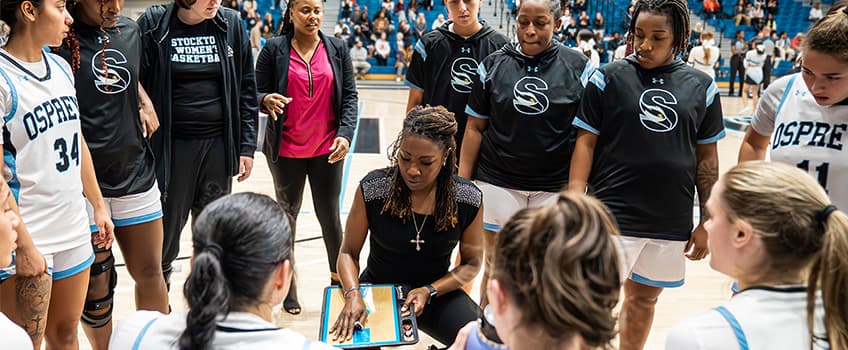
(394, 258)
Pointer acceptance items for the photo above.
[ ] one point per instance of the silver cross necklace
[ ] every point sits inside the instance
(417, 241)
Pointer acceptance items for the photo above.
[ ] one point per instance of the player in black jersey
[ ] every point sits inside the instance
(650, 124)
(444, 64)
(105, 53)
(519, 138)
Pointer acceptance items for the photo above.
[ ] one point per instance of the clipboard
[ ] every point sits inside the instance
(385, 325)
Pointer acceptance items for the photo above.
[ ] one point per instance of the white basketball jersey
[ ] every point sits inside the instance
(41, 148)
(806, 134)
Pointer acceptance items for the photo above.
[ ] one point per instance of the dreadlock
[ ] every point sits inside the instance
(72, 43)
(677, 12)
(286, 25)
(438, 125)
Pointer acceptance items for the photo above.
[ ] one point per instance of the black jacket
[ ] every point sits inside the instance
(272, 69)
(238, 84)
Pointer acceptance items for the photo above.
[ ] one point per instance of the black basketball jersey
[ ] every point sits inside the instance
(107, 90)
(530, 103)
(444, 67)
(649, 123)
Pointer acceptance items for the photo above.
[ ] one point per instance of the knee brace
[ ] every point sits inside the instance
(97, 269)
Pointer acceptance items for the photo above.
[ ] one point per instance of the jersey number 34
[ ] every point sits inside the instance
(66, 157)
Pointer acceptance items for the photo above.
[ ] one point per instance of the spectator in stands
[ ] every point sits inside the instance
(797, 42)
(740, 13)
(354, 16)
(815, 12)
(624, 26)
(248, 7)
(403, 57)
(757, 16)
(359, 57)
(345, 36)
(586, 45)
(570, 39)
(420, 26)
(381, 24)
(405, 29)
(400, 42)
(785, 44)
(583, 21)
(268, 20)
(770, 22)
(440, 20)
(340, 26)
(233, 4)
(364, 23)
(710, 9)
(613, 44)
(579, 6)
(347, 9)
(412, 12)
(267, 32)
(400, 11)
(382, 50)
(771, 7)
(426, 4)
(737, 68)
(359, 35)
(598, 25)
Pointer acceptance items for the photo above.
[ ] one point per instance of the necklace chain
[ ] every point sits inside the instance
(417, 239)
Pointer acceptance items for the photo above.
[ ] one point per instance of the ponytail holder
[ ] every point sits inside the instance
(214, 249)
(825, 212)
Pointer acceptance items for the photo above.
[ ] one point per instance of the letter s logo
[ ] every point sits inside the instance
(657, 115)
(528, 96)
(463, 73)
(111, 77)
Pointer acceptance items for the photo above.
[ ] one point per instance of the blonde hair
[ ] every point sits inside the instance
(704, 37)
(830, 34)
(559, 264)
(799, 228)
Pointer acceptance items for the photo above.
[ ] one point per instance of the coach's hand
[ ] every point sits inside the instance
(696, 248)
(245, 167)
(105, 229)
(354, 312)
(339, 148)
(416, 299)
(275, 104)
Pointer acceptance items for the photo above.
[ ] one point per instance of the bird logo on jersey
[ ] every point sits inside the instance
(111, 77)
(657, 114)
(529, 97)
(463, 73)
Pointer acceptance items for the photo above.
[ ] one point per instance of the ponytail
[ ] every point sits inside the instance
(706, 54)
(830, 273)
(208, 296)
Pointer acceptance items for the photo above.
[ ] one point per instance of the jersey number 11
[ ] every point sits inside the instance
(821, 172)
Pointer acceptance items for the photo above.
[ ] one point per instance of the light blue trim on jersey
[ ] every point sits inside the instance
(474, 113)
(481, 71)
(649, 282)
(61, 68)
(491, 227)
(715, 138)
(137, 220)
(74, 270)
(588, 70)
(419, 47)
(785, 94)
(137, 342)
(585, 126)
(712, 92)
(14, 93)
(411, 85)
(14, 183)
(734, 287)
(598, 78)
(737, 328)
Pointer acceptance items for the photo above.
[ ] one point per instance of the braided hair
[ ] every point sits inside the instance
(286, 24)
(438, 125)
(677, 12)
(72, 44)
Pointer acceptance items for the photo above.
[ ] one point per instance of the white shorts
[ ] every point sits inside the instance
(62, 264)
(131, 209)
(654, 262)
(499, 204)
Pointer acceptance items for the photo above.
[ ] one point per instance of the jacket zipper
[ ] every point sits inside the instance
(309, 72)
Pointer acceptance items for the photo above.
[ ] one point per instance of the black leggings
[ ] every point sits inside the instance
(325, 181)
(736, 69)
(446, 314)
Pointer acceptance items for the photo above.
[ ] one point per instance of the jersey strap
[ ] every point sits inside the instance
(737, 328)
(785, 94)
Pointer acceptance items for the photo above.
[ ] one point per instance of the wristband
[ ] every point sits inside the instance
(349, 290)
